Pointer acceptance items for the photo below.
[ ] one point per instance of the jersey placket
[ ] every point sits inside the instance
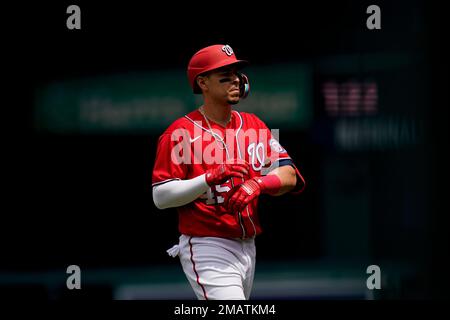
(214, 127)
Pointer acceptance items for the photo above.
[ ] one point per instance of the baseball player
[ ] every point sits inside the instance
(212, 165)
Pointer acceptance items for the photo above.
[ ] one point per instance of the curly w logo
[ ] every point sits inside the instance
(227, 49)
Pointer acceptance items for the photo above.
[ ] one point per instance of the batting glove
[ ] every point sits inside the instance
(223, 172)
(240, 196)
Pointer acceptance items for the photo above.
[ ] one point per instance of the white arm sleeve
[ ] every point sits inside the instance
(177, 193)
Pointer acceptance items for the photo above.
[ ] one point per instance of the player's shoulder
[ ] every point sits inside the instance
(250, 119)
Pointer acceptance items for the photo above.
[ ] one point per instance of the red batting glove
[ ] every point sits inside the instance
(223, 172)
(240, 196)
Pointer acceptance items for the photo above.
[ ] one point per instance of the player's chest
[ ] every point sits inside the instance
(216, 146)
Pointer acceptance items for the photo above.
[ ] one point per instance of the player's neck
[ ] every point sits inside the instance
(220, 114)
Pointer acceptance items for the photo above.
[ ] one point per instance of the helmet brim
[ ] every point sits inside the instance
(238, 63)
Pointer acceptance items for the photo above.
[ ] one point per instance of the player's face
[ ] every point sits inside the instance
(223, 84)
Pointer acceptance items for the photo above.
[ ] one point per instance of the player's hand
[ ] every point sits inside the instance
(240, 196)
(223, 172)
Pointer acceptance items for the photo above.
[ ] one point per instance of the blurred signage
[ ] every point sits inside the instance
(350, 98)
(360, 105)
(377, 133)
(150, 102)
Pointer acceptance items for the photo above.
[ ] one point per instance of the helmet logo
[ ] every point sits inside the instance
(227, 49)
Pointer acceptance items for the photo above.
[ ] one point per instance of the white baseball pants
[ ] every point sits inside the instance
(217, 268)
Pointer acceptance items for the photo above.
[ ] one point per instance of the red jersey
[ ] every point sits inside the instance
(188, 148)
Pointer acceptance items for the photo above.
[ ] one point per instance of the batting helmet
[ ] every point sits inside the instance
(214, 57)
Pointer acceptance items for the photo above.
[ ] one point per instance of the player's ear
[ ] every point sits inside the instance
(201, 82)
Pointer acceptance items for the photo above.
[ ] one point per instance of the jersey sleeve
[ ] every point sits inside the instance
(276, 153)
(166, 166)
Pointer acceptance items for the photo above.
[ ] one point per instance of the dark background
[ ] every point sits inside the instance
(86, 199)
